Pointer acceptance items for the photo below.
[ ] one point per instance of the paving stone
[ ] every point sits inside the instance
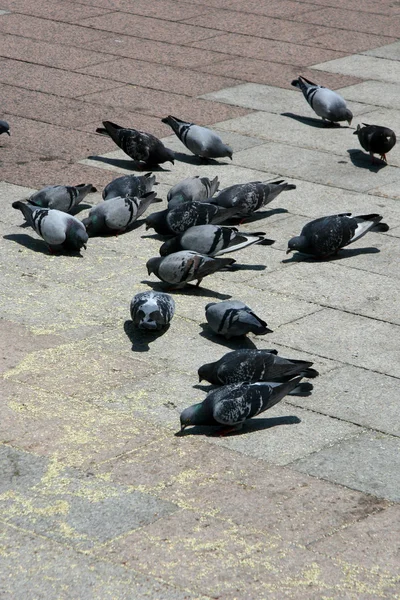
(354, 20)
(368, 462)
(357, 396)
(370, 92)
(20, 470)
(349, 41)
(391, 51)
(315, 166)
(47, 569)
(274, 8)
(365, 67)
(363, 342)
(387, 191)
(57, 11)
(386, 8)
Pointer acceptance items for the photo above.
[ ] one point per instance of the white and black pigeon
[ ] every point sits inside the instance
(201, 141)
(152, 310)
(61, 197)
(59, 230)
(249, 197)
(213, 240)
(192, 189)
(188, 214)
(4, 128)
(326, 103)
(142, 147)
(231, 405)
(129, 185)
(117, 214)
(233, 318)
(376, 139)
(249, 365)
(181, 267)
(325, 236)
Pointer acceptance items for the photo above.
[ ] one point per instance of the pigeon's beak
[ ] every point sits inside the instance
(183, 426)
(84, 246)
(147, 227)
(288, 251)
(200, 379)
(8, 132)
(349, 121)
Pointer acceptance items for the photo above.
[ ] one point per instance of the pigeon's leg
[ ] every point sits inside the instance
(199, 282)
(383, 157)
(227, 430)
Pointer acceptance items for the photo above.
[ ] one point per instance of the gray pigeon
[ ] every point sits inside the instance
(59, 230)
(192, 189)
(200, 140)
(188, 214)
(327, 235)
(325, 103)
(152, 310)
(233, 318)
(117, 214)
(138, 145)
(61, 197)
(129, 185)
(376, 139)
(4, 127)
(213, 240)
(249, 197)
(232, 405)
(251, 365)
(181, 267)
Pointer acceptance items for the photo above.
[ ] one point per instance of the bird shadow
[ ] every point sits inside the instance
(363, 161)
(129, 165)
(109, 234)
(250, 426)
(192, 159)
(313, 121)
(235, 343)
(243, 267)
(342, 254)
(188, 290)
(157, 236)
(142, 338)
(39, 245)
(80, 208)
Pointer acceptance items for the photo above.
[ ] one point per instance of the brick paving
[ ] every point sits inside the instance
(99, 499)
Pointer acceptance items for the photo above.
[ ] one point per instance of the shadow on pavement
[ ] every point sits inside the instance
(341, 255)
(39, 245)
(313, 121)
(249, 427)
(235, 343)
(129, 165)
(140, 338)
(363, 161)
(189, 289)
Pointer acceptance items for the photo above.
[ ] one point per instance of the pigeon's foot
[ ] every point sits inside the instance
(383, 157)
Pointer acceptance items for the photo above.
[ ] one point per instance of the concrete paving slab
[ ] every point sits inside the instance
(20, 470)
(357, 396)
(368, 462)
(361, 342)
(365, 67)
(315, 166)
(391, 51)
(372, 93)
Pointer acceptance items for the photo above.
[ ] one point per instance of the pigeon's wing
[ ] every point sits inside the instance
(232, 405)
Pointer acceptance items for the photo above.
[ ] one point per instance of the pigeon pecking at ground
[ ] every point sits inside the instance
(61, 197)
(249, 365)
(138, 145)
(233, 318)
(213, 240)
(376, 139)
(152, 310)
(4, 127)
(249, 197)
(117, 214)
(129, 185)
(200, 140)
(179, 219)
(59, 230)
(232, 405)
(192, 189)
(181, 267)
(325, 102)
(327, 235)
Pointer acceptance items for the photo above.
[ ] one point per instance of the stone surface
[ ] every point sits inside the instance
(365, 67)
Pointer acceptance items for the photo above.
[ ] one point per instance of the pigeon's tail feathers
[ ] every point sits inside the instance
(289, 186)
(92, 190)
(265, 242)
(26, 210)
(280, 390)
(302, 389)
(310, 373)
(258, 326)
(109, 129)
(365, 223)
(175, 124)
(380, 227)
(295, 83)
(225, 262)
(102, 130)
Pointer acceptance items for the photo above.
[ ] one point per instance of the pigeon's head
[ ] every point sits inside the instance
(298, 243)
(77, 238)
(4, 127)
(153, 264)
(157, 221)
(194, 415)
(92, 224)
(167, 155)
(170, 246)
(176, 201)
(347, 116)
(205, 373)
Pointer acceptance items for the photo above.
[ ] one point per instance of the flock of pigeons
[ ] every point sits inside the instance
(250, 381)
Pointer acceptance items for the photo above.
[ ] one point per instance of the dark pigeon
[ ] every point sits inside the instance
(200, 140)
(152, 310)
(327, 104)
(129, 185)
(138, 145)
(232, 318)
(249, 197)
(189, 214)
(61, 197)
(376, 139)
(327, 235)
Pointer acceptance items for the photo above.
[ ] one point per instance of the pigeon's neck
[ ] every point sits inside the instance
(200, 415)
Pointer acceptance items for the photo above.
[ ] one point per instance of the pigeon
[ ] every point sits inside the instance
(58, 229)
(376, 139)
(326, 235)
(188, 214)
(192, 189)
(138, 145)
(249, 197)
(152, 310)
(181, 267)
(213, 240)
(61, 197)
(233, 318)
(231, 405)
(4, 127)
(325, 103)
(129, 185)
(251, 365)
(200, 140)
(117, 214)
